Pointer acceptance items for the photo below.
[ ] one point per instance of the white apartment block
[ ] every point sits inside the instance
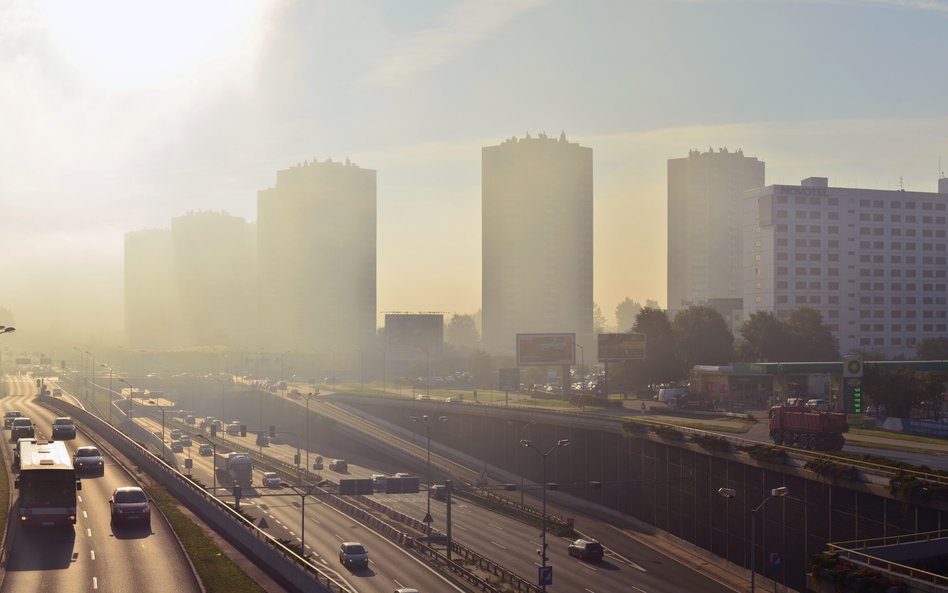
(874, 263)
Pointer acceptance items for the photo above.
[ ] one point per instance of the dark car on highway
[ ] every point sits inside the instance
(129, 506)
(88, 459)
(586, 549)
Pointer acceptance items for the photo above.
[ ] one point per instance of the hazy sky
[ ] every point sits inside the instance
(118, 116)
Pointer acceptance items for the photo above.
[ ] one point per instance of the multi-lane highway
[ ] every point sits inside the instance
(92, 555)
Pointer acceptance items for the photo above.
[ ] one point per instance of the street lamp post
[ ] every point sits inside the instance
(582, 365)
(110, 392)
(427, 370)
(426, 420)
(91, 376)
(522, 468)
(162, 408)
(302, 494)
(131, 397)
(384, 369)
(774, 493)
(544, 455)
(308, 397)
(79, 379)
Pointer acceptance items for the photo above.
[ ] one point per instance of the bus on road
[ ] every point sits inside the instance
(47, 484)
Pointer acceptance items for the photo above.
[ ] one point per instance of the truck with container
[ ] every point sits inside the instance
(795, 426)
(234, 468)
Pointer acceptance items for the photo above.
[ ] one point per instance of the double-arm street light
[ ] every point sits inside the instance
(131, 398)
(302, 494)
(544, 455)
(162, 408)
(426, 420)
(522, 468)
(774, 493)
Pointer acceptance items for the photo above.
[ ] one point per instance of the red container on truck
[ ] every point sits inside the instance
(794, 426)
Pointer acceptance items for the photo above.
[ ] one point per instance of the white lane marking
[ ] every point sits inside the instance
(92, 554)
(84, 515)
(496, 526)
(499, 546)
(89, 532)
(79, 498)
(590, 591)
(95, 583)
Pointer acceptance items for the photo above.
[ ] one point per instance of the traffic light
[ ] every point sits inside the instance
(243, 430)
(213, 430)
(296, 459)
(273, 431)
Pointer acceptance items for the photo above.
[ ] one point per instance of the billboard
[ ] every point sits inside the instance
(615, 347)
(414, 336)
(546, 349)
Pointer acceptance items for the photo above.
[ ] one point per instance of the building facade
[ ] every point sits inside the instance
(537, 241)
(191, 285)
(705, 197)
(215, 257)
(316, 238)
(871, 262)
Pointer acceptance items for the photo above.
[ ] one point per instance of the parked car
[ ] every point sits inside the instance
(586, 549)
(271, 480)
(338, 465)
(206, 449)
(9, 416)
(63, 429)
(88, 459)
(353, 555)
(129, 505)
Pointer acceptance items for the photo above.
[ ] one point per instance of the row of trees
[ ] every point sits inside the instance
(699, 335)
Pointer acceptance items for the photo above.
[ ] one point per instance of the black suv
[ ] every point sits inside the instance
(586, 549)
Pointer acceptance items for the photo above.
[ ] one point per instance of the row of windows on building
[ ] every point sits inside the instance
(817, 299)
(864, 203)
(816, 229)
(909, 219)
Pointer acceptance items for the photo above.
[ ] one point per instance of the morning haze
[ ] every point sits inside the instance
(166, 195)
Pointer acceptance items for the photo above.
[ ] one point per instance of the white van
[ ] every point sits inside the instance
(670, 395)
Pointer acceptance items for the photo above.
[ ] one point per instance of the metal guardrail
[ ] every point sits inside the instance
(890, 566)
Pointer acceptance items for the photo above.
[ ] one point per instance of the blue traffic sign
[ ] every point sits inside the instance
(545, 575)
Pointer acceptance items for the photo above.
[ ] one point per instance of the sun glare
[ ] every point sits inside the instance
(122, 44)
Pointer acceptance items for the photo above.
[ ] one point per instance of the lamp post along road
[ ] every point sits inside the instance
(110, 392)
(774, 493)
(544, 455)
(426, 421)
(308, 397)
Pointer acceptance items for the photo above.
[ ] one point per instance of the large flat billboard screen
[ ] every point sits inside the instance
(616, 347)
(546, 349)
(414, 336)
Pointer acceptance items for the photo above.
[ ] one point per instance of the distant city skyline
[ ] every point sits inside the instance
(111, 128)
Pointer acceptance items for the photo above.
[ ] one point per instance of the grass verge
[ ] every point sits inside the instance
(736, 427)
(217, 571)
(897, 436)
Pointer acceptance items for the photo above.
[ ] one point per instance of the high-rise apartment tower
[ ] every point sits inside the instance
(705, 196)
(537, 241)
(316, 238)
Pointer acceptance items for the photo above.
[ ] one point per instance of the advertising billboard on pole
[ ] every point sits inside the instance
(546, 349)
(616, 347)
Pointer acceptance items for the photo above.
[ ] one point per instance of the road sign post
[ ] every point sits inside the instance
(544, 575)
